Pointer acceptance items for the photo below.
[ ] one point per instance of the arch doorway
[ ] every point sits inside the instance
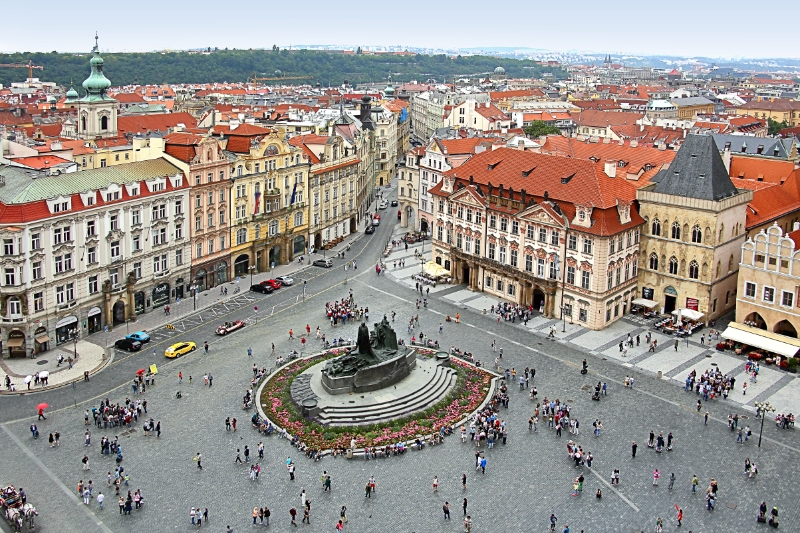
(318, 241)
(241, 264)
(538, 300)
(670, 298)
(118, 312)
(299, 245)
(275, 255)
(755, 320)
(423, 225)
(200, 280)
(353, 225)
(784, 327)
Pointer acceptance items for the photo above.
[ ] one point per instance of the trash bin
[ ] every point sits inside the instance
(659, 374)
(349, 453)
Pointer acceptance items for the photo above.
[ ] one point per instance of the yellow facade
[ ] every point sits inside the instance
(269, 203)
(690, 250)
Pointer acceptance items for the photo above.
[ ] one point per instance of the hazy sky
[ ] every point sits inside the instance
(679, 27)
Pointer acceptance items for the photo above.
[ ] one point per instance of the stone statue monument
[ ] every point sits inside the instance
(372, 348)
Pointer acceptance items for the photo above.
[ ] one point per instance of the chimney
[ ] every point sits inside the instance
(795, 226)
(524, 197)
(726, 158)
(611, 168)
(521, 144)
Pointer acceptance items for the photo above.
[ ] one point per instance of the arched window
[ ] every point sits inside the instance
(14, 306)
(730, 263)
(673, 265)
(258, 229)
(676, 231)
(697, 234)
(83, 123)
(694, 270)
(656, 227)
(721, 232)
(104, 123)
(653, 261)
(719, 268)
(241, 236)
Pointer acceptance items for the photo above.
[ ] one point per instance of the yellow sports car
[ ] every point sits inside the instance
(179, 349)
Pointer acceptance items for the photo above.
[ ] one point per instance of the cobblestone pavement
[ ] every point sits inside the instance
(525, 481)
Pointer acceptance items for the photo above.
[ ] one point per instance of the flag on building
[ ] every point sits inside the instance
(294, 193)
(258, 201)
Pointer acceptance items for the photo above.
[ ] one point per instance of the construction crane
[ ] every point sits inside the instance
(29, 65)
(254, 79)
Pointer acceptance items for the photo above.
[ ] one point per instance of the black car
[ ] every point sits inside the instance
(394, 203)
(128, 345)
(264, 289)
(369, 230)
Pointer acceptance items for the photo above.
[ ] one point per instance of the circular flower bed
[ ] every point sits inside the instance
(471, 389)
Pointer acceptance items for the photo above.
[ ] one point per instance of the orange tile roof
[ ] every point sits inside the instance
(760, 169)
(601, 119)
(40, 162)
(111, 142)
(152, 123)
(491, 112)
(769, 202)
(242, 129)
(496, 96)
(48, 130)
(300, 142)
(461, 146)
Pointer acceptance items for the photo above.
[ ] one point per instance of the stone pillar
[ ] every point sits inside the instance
(107, 305)
(130, 307)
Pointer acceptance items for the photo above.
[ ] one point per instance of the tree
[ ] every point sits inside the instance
(538, 129)
(359, 51)
(775, 127)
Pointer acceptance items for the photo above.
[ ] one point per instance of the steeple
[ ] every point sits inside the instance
(96, 84)
(389, 90)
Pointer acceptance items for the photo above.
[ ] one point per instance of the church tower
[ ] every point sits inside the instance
(97, 112)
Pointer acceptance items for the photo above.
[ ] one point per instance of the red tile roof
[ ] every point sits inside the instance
(601, 119)
(760, 169)
(154, 123)
(48, 130)
(769, 202)
(40, 162)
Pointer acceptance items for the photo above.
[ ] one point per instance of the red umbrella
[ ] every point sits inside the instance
(140, 371)
(42, 406)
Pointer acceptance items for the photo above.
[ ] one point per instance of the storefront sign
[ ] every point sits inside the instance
(161, 295)
(93, 311)
(66, 321)
(693, 304)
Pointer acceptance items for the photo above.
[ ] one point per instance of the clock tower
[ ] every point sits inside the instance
(97, 112)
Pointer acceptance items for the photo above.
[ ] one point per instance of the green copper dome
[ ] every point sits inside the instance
(389, 90)
(96, 84)
(72, 94)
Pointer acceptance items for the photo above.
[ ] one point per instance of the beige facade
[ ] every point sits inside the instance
(408, 189)
(690, 250)
(768, 294)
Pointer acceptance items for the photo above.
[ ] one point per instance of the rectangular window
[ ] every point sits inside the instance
(585, 279)
(528, 263)
(582, 314)
(70, 292)
(93, 284)
(10, 276)
(60, 295)
(115, 251)
(511, 289)
(449, 236)
(160, 236)
(619, 271)
(514, 227)
(114, 222)
(178, 207)
(38, 301)
(135, 218)
(459, 242)
(59, 262)
(540, 267)
(750, 290)
(491, 251)
(503, 224)
(137, 243)
(477, 246)
(572, 242)
(222, 242)
(612, 246)
(197, 203)
(211, 246)
(57, 236)
(587, 245)
(554, 238)
(553, 270)
(210, 220)
(90, 228)
(513, 258)
(787, 299)
(36, 241)
(542, 235)
(499, 285)
(531, 232)
(460, 211)
(178, 257)
(492, 221)
(469, 215)
(199, 250)
(571, 275)
(488, 282)
(36, 270)
(478, 217)
(769, 294)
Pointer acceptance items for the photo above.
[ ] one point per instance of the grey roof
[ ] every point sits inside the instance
(696, 172)
(691, 100)
(21, 187)
(745, 144)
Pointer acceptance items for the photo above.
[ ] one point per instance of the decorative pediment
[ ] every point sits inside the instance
(492, 239)
(514, 245)
(541, 253)
(62, 249)
(529, 249)
(440, 222)
(115, 235)
(585, 265)
(571, 261)
(503, 241)
(476, 234)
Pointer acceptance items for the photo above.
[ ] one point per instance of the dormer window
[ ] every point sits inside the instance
(581, 215)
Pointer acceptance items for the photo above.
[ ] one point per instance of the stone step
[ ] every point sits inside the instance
(421, 399)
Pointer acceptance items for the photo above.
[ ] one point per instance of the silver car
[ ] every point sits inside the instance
(285, 280)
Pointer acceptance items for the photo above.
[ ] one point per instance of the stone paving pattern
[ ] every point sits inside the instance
(525, 480)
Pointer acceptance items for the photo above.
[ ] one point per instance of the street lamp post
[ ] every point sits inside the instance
(563, 319)
(75, 342)
(251, 268)
(193, 288)
(763, 408)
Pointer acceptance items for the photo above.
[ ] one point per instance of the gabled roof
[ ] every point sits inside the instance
(154, 123)
(744, 144)
(601, 119)
(760, 169)
(696, 172)
(769, 202)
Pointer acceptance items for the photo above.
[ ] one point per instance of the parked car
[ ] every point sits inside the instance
(179, 349)
(326, 263)
(383, 205)
(140, 336)
(285, 280)
(229, 327)
(376, 220)
(275, 284)
(263, 289)
(129, 345)
(394, 203)
(369, 230)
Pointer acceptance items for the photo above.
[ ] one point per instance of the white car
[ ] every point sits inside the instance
(285, 280)
(383, 205)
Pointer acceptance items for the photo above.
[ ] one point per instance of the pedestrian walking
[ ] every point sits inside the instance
(680, 514)
(671, 480)
(199, 460)
(656, 475)
(464, 481)
(634, 446)
(293, 514)
(446, 509)
(100, 500)
(464, 506)
(343, 514)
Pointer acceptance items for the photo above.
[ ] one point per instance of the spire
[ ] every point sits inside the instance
(97, 83)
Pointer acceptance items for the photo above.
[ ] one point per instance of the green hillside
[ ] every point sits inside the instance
(238, 65)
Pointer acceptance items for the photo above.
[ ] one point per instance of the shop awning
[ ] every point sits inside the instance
(689, 314)
(762, 339)
(436, 270)
(644, 302)
(15, 343)
(42, 339)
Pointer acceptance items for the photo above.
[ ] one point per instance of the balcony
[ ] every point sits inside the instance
(13, 319)
(68, 305)
(161, 274)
